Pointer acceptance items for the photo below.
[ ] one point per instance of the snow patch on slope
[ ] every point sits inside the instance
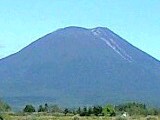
(111, 43)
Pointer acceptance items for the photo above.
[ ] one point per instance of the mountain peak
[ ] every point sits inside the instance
(73, 28)
(82, 28)
(100, 28)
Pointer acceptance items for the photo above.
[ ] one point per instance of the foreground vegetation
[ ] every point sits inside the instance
(76, 117)
(128, 111)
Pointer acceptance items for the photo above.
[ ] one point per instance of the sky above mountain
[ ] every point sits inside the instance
(22, 22)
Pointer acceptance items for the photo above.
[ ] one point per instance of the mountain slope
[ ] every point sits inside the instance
(81, 66)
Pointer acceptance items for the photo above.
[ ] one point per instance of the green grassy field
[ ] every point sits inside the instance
(50, 117)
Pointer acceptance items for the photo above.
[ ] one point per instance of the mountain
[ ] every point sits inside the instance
(78, 66)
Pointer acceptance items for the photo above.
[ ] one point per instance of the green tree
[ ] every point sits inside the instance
(41, 109)
(97, 110)
(90, 110)
(79, 111)
(84, 112)
(66, 111)
(132, 108)
(46, 108)
(109, 110)
(29, 109)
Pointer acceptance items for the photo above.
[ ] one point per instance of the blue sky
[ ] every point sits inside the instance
(24, 21)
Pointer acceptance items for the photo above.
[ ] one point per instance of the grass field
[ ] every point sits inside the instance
(49, 117)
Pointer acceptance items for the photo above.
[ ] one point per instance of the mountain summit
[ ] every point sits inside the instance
(79, 66)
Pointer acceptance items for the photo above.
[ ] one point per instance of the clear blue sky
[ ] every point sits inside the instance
(24, 21)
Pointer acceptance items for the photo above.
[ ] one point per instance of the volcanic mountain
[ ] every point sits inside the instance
(79, 66)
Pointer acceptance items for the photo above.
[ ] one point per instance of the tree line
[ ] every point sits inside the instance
(132, 108)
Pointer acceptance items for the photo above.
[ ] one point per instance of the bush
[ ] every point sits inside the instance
(76, 118)
(4, 107)
(66, 111)
(109, 110)
(1, 118)
(41, 109)
(153, 111)
(29, 109)
(97, 110)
